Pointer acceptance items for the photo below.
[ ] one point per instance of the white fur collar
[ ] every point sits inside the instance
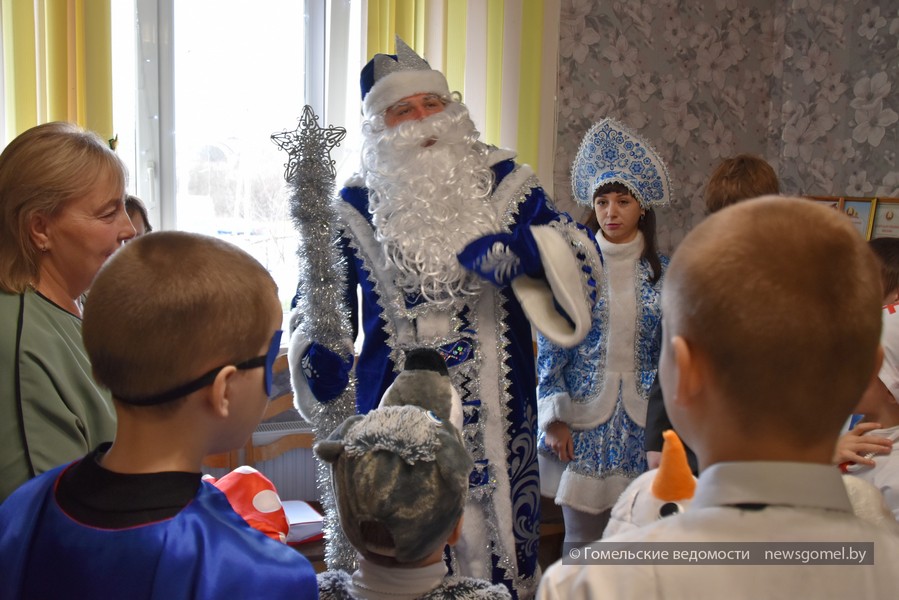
(628, 250)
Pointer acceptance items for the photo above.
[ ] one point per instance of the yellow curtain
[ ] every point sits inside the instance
(501, 55)
(57, 64)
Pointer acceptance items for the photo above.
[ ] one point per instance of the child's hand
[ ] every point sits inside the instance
(558, 438)
(854, 446)
(653, 459)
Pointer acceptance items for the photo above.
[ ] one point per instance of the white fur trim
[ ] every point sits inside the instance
(498, 155)
(392, 88)
(456, 415)
(548, 409)
(303, 399)
(563, 282)
(493, 398)
(587, 415)
(589, 494)
(470, 549)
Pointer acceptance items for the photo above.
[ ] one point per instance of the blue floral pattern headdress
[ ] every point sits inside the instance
(611, 153)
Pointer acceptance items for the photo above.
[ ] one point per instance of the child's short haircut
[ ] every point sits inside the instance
(169, 306)
(781, 297)
(400, 476)
(740, 178)
(887, 251)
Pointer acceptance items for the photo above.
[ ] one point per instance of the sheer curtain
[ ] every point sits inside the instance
(56, 64)
(501, 55)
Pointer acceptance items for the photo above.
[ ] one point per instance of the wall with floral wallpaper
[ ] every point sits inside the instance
(807, 84)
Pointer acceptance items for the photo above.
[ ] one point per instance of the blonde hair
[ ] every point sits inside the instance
(40, 171)
(170, 306)
(788, 317)
(739, 178)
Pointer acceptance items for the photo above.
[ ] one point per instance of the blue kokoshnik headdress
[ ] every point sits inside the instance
(611, 153)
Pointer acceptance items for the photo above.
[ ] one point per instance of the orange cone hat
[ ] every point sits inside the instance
(674, 481)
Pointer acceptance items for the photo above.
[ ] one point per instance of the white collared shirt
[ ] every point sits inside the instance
(781, 502)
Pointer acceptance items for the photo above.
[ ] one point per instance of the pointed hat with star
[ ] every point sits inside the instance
(388, 78)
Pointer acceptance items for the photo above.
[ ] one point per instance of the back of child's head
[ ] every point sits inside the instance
(781, 298)
(169, 306)
(887, 251)
(400, 478)
(740, 178)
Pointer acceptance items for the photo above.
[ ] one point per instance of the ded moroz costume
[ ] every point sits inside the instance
(504, 258)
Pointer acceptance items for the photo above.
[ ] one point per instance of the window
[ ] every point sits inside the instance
(200, 86)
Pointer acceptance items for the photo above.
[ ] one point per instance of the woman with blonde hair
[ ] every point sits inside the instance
(62, 214)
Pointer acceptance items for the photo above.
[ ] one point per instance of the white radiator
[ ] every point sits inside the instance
(293, 472)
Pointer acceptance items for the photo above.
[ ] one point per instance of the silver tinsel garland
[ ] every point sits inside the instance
(320, 314)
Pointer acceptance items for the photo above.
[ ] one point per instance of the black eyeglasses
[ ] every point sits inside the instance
(267, 360)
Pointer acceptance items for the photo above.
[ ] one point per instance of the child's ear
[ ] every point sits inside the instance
(690, 374)
(457, 532)
(218, 397)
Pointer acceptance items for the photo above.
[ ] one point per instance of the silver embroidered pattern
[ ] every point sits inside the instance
(358, 234)
(500, 261)
(320, 314)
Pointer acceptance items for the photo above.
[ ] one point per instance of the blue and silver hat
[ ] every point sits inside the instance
(388, 78)
(611, 153)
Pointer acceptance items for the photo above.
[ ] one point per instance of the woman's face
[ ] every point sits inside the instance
(618, 216)
(82, 235)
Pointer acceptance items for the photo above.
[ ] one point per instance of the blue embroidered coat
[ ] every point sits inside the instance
(600, 388)
(487, 343)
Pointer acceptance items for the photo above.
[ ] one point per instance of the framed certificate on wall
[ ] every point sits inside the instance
(861, 212)
(886, 218)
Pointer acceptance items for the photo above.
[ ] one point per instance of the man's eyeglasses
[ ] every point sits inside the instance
(267, 360)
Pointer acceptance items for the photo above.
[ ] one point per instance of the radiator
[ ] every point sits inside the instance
(293, 472)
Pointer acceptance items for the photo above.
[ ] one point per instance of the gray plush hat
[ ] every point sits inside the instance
(399, 469)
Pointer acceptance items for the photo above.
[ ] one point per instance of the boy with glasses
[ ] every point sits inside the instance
(183, 330)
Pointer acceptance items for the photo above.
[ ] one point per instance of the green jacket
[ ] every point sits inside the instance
(51, 410)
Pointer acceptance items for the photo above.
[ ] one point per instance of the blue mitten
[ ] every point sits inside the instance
(502, 257)
(327, 373)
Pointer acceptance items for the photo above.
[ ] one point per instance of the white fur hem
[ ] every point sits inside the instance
(589, 494)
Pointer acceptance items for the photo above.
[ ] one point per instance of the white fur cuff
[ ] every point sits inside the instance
(563, 283)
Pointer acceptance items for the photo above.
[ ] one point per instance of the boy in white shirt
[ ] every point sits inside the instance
(770, 336)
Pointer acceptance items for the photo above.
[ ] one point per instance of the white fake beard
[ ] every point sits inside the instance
(428, 203)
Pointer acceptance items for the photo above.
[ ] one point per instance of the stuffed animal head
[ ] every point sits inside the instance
(656, 494)
(400, 473)
(400, 476)
(425, 382)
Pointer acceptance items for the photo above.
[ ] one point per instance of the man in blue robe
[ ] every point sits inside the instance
(455, 247)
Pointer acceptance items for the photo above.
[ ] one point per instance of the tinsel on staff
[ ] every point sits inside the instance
(320, 313)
